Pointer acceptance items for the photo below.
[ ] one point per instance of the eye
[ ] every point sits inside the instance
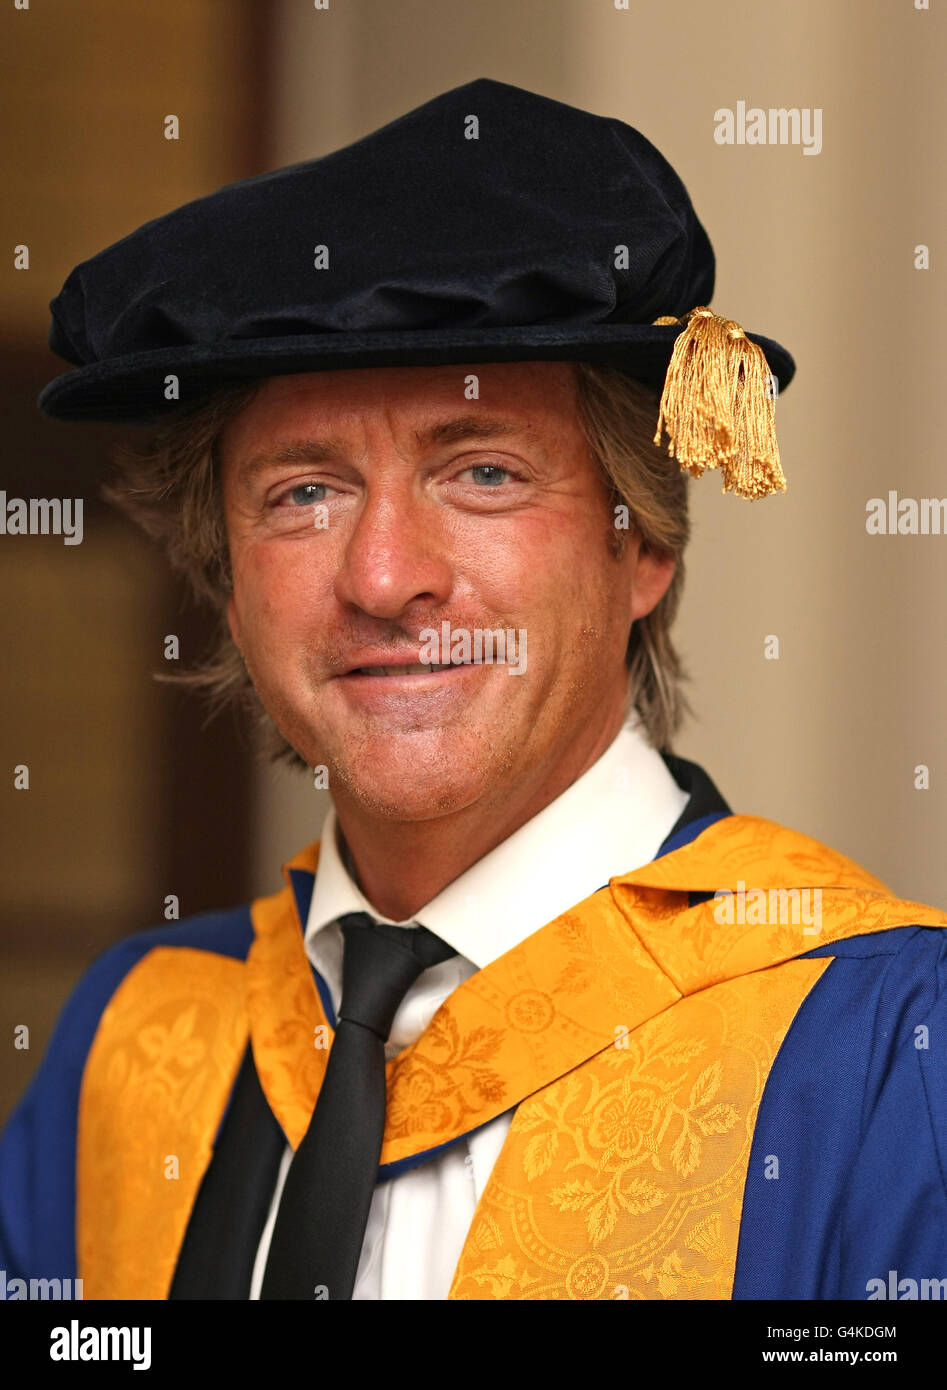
(489, 474)
(305, 494)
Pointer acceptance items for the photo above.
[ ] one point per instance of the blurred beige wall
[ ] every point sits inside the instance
(111, 822)
(814, 250)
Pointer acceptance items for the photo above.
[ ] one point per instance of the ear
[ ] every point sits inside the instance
(654, 570)
(232, 621)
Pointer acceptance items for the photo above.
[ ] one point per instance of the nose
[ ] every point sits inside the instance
(396, 555)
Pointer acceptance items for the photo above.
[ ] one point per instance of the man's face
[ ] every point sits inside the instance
(365, 507)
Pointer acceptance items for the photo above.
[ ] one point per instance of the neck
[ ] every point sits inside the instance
(401, 865)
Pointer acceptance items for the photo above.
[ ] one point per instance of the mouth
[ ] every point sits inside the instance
(409, 696)
(417, 668)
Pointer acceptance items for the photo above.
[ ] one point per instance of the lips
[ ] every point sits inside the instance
(417, 668)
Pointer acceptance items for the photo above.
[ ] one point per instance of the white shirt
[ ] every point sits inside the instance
(611, 820)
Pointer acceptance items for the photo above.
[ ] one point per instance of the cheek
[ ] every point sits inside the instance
(276, 593)
(578, 578)
(553, 573)
(534, 558)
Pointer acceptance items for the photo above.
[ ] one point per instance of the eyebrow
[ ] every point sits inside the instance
(442, 432)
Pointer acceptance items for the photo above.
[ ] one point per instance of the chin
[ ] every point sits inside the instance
(406, 791)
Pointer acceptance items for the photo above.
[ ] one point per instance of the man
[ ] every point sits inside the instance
(539, 1017)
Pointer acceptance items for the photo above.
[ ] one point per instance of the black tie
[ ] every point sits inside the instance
(323, 1211)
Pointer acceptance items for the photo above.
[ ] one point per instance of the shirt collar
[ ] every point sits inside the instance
(611, 820)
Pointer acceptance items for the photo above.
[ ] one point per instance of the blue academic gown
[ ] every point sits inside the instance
(846, 1193)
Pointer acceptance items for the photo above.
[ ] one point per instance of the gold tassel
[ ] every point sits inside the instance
(718, 406)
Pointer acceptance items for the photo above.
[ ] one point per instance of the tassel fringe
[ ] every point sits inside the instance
(718, 406)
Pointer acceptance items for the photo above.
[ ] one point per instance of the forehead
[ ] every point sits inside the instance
(533, 397)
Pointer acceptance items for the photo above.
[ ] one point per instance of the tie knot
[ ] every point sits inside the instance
(380, 963)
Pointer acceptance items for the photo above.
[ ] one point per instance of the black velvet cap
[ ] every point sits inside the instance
(439, 248)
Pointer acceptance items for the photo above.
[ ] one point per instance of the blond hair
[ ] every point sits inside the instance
(170, 486)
